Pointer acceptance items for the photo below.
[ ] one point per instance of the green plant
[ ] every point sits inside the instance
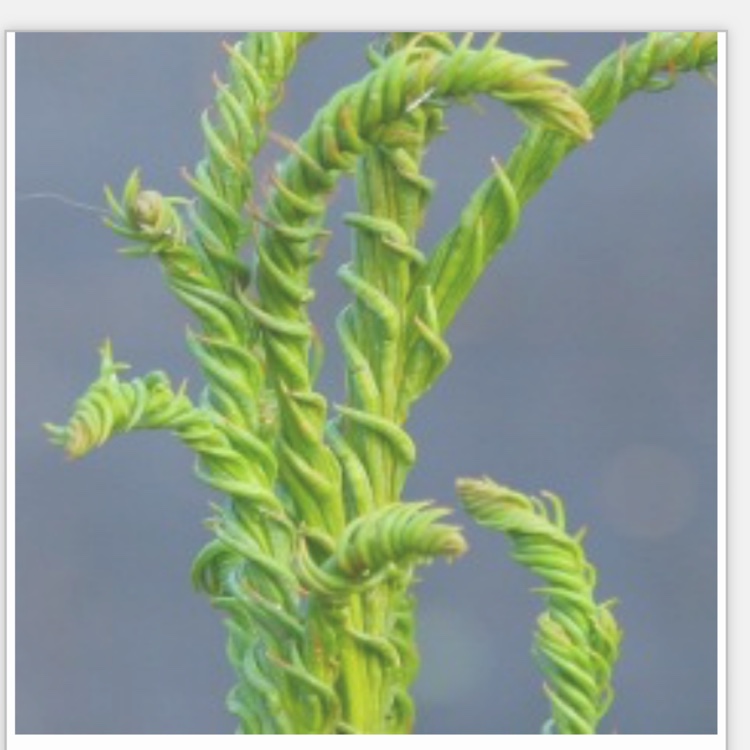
(313, 555)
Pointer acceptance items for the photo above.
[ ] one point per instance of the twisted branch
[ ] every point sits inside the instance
(577, 639)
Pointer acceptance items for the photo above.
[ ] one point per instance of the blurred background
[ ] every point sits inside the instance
(585, 363)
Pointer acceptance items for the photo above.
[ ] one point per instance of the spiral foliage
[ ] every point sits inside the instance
(371, 115)
(312, 556)
(111, 406)
(373, 546)
(652, 64)
(577, 639)
(367, 453)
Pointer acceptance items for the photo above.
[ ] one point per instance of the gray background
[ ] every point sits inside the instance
(585, 363)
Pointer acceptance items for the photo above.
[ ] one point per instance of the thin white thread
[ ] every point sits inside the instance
(62, 199)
